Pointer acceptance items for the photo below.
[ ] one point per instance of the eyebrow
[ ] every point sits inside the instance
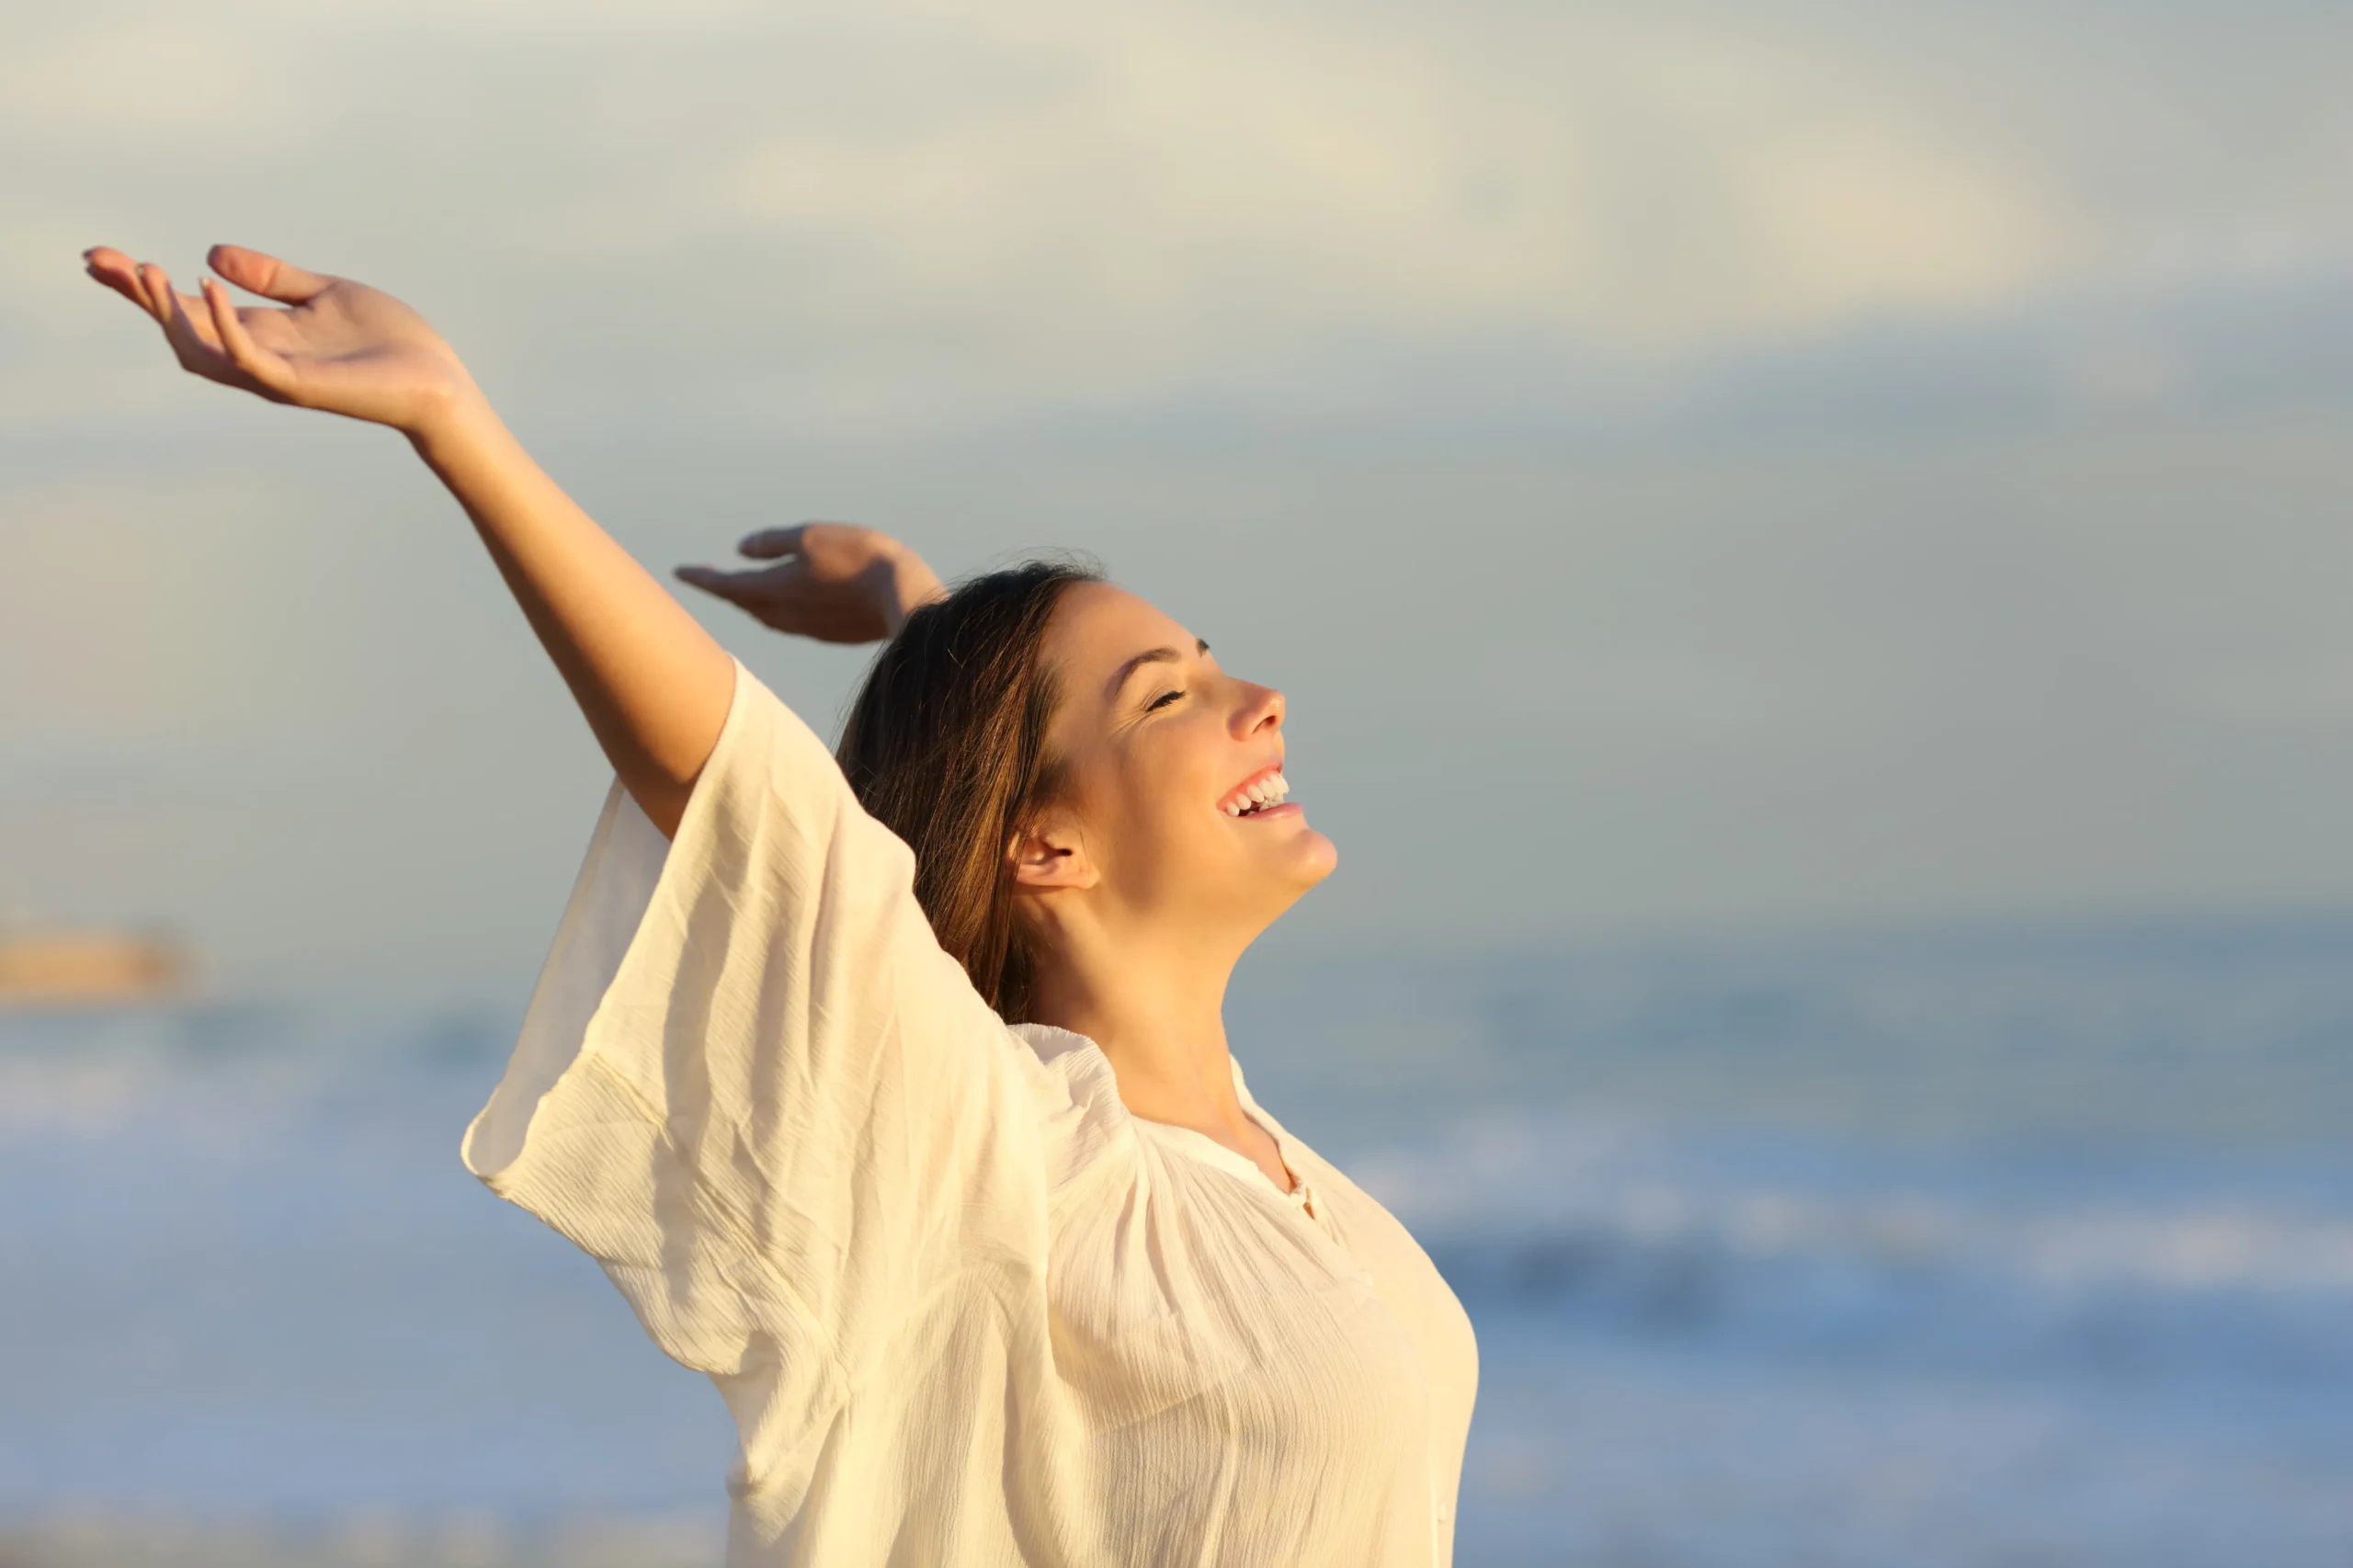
(1154, 656)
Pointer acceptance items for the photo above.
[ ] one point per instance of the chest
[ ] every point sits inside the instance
(1183, 1287)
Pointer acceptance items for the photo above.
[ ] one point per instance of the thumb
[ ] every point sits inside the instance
(265, 275)
(766, 544)
(732, 586)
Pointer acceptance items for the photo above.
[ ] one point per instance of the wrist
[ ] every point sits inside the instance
(451, 421)
(908, 585)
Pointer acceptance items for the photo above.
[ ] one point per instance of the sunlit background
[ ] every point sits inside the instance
(1810, 548)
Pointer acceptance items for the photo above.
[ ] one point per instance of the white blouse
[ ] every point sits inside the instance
(965, 1308)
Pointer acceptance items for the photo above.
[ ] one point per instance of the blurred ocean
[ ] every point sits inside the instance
(2026, 1247)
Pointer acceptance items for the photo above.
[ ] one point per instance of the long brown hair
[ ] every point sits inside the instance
(946, 747)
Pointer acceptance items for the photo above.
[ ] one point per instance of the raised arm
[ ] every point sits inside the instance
(654, 686)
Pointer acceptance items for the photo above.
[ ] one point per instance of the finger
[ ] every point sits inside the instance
(165, 303)
(123, 284)
(766, 544)
(155, 290)
(180, 328)
(270, 370)
(705, 578)
(113, 268)
(730, 585)
(743, 587)
(258, 273)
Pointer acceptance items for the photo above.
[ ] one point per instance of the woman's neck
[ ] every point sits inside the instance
(1161, 1025)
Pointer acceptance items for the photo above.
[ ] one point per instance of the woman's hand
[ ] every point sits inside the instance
(654, 686)
(342, 347)
(835, 582)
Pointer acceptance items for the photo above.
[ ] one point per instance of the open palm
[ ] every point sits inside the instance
(340, 347)
(834, 582)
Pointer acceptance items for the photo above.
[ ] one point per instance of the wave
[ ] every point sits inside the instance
(1786, 1245)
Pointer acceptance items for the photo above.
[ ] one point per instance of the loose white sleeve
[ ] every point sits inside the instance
(751, 1084)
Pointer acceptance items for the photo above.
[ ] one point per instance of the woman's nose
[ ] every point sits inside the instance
(1263, 710)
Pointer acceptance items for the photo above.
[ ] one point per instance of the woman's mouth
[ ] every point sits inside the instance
(1263, 793)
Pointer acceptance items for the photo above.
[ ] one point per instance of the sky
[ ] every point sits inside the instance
(1692, 467)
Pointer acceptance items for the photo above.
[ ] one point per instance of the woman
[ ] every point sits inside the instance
(936, 1162)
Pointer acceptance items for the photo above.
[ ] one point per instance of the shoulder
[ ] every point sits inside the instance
(1084, 1124)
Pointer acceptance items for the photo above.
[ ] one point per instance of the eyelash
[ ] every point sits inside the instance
(1163, 701)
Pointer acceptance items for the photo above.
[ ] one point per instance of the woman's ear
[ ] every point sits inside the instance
(1049, 856)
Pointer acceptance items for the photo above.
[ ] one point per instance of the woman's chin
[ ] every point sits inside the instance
(1313, 857)
(1279, 870)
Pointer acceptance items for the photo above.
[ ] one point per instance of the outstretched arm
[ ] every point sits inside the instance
(654, 686)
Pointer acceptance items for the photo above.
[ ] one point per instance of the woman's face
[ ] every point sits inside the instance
(1172, 791)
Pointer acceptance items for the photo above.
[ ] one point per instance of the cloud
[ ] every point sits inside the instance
(921, 210)
(1178, 181)
(129, 82)
(914, 217)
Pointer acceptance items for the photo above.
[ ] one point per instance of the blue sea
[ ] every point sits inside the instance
(1946, 1249)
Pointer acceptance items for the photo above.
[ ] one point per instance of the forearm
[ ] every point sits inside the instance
(654, 685)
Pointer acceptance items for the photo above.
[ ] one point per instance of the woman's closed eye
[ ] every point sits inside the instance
(1163, 701)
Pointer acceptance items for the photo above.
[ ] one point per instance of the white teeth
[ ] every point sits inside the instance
(1271, 791)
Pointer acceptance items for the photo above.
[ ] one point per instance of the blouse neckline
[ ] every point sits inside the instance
(1042, 1038)
(1209, 1148)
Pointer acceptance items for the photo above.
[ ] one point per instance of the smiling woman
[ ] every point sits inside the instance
(894, 1092)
